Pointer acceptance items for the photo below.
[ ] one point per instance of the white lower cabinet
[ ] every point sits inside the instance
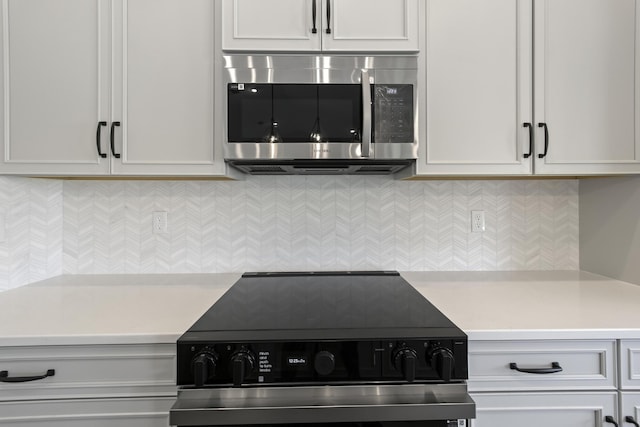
(124, 412)
(579, 409)
(130, 385)
(629, 382)
(533, 383)
(629, 408)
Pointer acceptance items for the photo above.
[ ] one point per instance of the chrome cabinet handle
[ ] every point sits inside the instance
(113, 145)
(98, 145)
(5, 378)
(555, 367)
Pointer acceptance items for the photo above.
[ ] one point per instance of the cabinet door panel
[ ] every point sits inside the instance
(89, 371)
(629, 407)
(55, 88)
(126, 412)
(275, 25)
(630, 364)
(478, 87)
(371, 25)
(589, 364)
(586, 55)
(165, 88)
(544, 409)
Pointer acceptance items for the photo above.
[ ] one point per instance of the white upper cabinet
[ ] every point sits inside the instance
(55, 86)
(321, 25)
(479, 98)
(163, 93)
(587, 86)
(477, 95)
(121, 87)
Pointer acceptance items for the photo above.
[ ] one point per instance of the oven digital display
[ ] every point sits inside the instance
(297, 360)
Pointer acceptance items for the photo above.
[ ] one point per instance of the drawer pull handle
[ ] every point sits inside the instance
(5, 378)
(629, 419)
(609, 419)
(555, 367)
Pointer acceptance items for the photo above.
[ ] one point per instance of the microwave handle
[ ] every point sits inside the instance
(366, 114)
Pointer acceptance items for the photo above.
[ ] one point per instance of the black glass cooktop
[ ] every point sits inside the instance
(321, 305)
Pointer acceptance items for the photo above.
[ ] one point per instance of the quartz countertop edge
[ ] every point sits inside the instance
(109, 309)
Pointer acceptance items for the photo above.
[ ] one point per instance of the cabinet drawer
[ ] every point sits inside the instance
(89, 371)
(578, 409)
(630, 364)
(584, 364)
(132, 412)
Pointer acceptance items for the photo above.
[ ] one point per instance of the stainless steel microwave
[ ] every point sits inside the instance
(320, 114)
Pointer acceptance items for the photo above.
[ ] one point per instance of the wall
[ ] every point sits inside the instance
(319, 223)
(610, 227)
(32, 246)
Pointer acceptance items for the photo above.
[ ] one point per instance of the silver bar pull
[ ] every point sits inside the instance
(366, 114)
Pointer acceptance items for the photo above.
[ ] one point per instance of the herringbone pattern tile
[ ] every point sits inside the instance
(309, 223)
(32, 248)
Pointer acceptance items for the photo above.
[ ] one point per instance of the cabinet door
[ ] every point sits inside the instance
(117, 412)
(586, 88)
(370, 25)
(583, 365)
(629, 407)
(544, 409)
(274, 25)
(55, 86)
(164, 88)
(478, 88)
(630, 364)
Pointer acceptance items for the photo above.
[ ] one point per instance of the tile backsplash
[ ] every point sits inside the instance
(310, 223)
(31, 234)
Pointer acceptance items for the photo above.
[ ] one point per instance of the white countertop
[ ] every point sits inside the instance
(534, 304)
(108, 309)
(158, 308)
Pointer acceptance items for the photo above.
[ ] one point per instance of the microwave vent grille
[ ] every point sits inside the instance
(376, 170)
(266, 169)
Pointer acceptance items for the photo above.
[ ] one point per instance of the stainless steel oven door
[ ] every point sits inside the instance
(375, 405)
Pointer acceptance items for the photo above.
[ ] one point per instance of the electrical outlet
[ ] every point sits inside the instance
(477, 221)
(159, 222)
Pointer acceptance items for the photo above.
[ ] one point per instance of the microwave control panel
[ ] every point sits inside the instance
(393, 113)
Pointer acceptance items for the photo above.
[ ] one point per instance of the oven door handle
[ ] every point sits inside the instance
(322, 404)
(366, 114)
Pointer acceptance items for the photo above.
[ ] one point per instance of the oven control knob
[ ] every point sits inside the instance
(324, 362)
(243, 364)
(404, 360)
(442, 362)
(204, 366)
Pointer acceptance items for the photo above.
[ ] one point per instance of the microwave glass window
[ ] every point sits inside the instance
(295, 110)
(340, 112)
(302, 112)
(249, 115)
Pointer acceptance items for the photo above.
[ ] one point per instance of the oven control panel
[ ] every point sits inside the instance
(321, 362)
